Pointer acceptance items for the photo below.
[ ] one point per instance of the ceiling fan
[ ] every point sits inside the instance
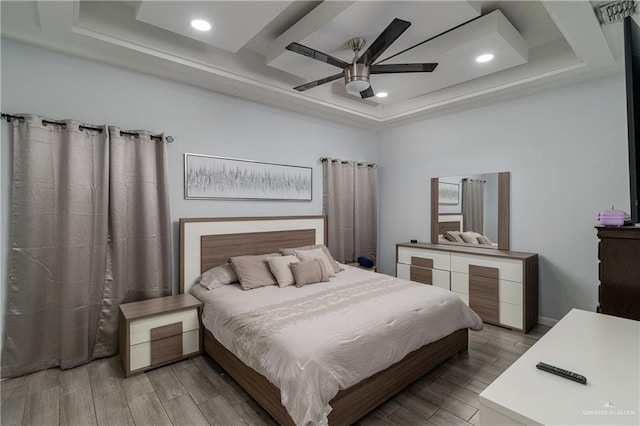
(356, 74)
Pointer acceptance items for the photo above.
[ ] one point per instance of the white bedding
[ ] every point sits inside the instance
(314, 341)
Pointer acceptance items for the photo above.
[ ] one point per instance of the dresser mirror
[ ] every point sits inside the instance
(472, 210)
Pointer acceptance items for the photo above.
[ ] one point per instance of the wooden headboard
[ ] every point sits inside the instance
(449, 222)
(209, 242)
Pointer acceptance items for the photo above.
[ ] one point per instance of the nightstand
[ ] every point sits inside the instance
(159, 331)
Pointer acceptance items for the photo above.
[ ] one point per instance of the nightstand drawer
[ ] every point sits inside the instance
(140, 329)
(157, 352)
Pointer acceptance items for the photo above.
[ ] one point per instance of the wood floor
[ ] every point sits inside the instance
(197, 392)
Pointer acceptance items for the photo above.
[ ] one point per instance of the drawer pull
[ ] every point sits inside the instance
(484, 271)
(167, 349)
(484, 289)
(421, 261)
(421, 275)
(166, 331)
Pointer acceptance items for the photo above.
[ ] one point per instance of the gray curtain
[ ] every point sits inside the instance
(87, 206)
(349, 202)
(365, 211)
(473, 205)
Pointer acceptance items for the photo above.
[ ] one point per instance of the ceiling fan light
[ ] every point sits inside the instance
(356, 77)
(357, 85)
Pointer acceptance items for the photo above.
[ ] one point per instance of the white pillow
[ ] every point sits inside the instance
(218, 276)
(316, 254)
(281, 269)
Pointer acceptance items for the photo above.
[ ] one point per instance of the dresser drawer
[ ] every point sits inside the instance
(441, 260)
(140, 329)
(510, 315)
(156, 352)
(508, 291)
(434, 277)
(509, 269)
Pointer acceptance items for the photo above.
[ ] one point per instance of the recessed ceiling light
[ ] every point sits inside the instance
(485, 58)
(382, 95)
(200, 24)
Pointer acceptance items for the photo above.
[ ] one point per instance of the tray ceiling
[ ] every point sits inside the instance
(536, 44)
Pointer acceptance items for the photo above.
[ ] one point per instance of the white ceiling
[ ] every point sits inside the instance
(536, 44)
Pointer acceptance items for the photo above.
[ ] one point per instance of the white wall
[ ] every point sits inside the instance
(60, 86)
(566, 150)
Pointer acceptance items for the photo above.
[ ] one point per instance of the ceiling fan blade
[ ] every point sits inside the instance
(402, 68)
(367, 93)
(317, 83)
(384, 40)
(314, 54)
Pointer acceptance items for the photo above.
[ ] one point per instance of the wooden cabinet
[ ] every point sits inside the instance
(158, 331)
(619, 271)
(500, 286)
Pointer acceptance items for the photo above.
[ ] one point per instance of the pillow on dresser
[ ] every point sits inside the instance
(253, 271)
(484, 240)
(218, 276)
(281, 269)
(470, 237)
(310, 272)
(316, 254)
(334, 265)
(453, 236)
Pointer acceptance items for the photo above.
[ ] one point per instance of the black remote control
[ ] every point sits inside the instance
(562, 373)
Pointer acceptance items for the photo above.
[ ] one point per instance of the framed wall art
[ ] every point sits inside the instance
(448, 193)
(211, 177)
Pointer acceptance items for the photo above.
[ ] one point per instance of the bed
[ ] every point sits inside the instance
(205, 243)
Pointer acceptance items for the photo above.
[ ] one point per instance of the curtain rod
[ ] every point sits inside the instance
(358, 163)
(10, 117)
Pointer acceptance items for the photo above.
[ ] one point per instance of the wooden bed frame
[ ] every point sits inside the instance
(208, 242)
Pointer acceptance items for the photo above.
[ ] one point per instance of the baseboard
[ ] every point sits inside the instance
(547, 321)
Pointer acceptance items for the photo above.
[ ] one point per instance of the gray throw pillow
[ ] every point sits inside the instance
(336, 267)
(253, 271)
(309, 272)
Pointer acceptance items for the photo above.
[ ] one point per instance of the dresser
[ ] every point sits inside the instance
(619, 271)
(500, 286)
(158, 331)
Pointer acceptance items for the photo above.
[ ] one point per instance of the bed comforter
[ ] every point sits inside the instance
(314, 341)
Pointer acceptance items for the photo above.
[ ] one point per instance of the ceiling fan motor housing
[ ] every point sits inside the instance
(356, 72)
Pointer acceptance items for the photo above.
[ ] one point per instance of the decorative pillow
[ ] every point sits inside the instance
(469, 237)
(484, 240)
(280, 268)
(453, 236)
(336, 267)
(316, 254)
(310, 272)
(253, 271)
(218, 276)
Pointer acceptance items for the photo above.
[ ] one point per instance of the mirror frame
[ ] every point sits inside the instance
(504, 184)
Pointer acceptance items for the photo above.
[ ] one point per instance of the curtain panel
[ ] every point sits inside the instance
(473, 205)
(350, 204)
(90, 229)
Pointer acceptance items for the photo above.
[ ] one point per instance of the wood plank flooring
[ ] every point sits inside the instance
(198, 392)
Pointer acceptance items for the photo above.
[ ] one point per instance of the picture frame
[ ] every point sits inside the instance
(208, 177)
(448, 193)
